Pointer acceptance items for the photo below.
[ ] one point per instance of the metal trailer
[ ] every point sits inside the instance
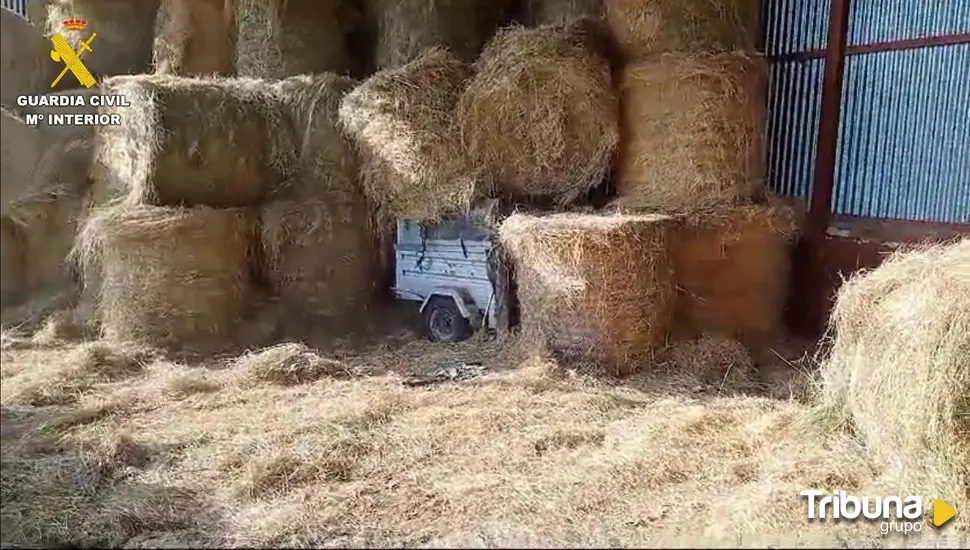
(445, 267)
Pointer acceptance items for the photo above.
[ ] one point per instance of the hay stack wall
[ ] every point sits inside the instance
(594, 286)
(555, 12)
(732, 270)
(899, 369)
(318, 251)
(125, 29)
(24, 59)
(645, 27)
(693, 132)
(194, 37)
(280, 38)
(190, 142)
(406, 28)
(170, 276)
(539, 117)
(403, 122)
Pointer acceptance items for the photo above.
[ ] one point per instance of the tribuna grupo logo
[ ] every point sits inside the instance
(895, 514)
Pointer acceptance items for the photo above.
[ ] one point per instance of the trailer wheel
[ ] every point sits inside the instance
(443, 322)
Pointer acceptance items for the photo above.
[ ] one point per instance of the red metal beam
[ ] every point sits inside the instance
(877, 47)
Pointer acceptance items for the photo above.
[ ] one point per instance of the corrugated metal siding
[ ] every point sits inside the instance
(904, 148)
(793, 26)
(19, 6)
(873, 21)
(794, 92)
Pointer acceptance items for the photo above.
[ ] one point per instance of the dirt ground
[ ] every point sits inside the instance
(393, 441)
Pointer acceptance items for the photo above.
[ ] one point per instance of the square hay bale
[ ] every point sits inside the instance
(170, 277)
(403, 122)
(555, 12)
(280, 38)
(693, 132)
(594, 286)
(898, 372)
(644, 27)
(48, 223)
(540, 116)
(311, 105)
(318, 255)
(406, 28)
(24, 59)
(194, 38)
(191, 141)
(732, 272)
(126, 31)
(13, 264)
(21, 147)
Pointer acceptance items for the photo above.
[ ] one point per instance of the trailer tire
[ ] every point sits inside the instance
(443, 321)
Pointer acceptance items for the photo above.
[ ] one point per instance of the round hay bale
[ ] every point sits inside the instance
(191, 141)
(170, 276)
(732, 272)
(13, 264)
(311, 105)
(406, 28)
(555, 12)
(693, 132)
(125, 28)
(25, 59)
(594, 286)
(644, 27)
(540, 115)
(194, 38)
(280, 38)
(318, 256)
(403, 122)
(898, 372)
(21, 147)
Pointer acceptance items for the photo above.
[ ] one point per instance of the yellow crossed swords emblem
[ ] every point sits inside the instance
(72, 60)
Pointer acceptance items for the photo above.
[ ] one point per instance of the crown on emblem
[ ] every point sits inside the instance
(74, 23)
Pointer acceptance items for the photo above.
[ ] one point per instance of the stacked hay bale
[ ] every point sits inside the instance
(169, 245)
(898, 373)
(194, 37)
(404, 29)
(592, 286)
(24, 59)
(319, 250)
(553, 12)
(125, 32)
(539, 116)
(692, 117)
(280, 38)
(13, 262)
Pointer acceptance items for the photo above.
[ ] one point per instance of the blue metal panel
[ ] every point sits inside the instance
(795, 91)
(793, 26)
(904, 148)
(873, 21)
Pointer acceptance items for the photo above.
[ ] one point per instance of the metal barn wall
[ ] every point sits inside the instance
(19, 6)
(794, 29)
(904, 143)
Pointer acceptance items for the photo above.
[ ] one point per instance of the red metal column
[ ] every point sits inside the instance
(811, 277)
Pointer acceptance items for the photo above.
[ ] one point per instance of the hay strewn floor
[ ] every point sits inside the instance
(291, 446)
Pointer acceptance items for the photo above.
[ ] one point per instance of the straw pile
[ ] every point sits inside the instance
(279, 38)
(13, 261)
(403, 122)
(899, 368)
(641, 27)
(406, 28)
(732, 269)
(592, 286)
(170, 276)
(187, 141)
(692, 132)
(540, 115)
(125, 30)
(318, 256)
(24, 59)
(194, 37)
(554, 12)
